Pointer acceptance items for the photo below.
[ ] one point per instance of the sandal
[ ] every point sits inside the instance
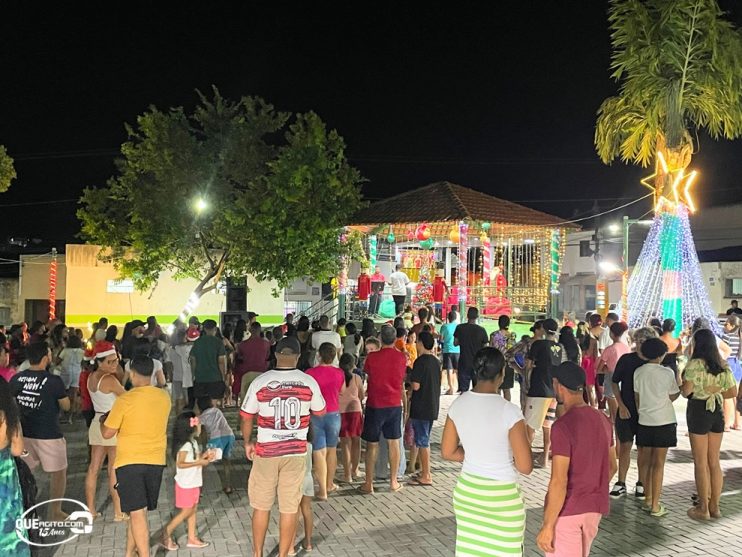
(169, 544)
(662, 511)
(198, 544)
(123, 517)
(363, 491)
(696, 514)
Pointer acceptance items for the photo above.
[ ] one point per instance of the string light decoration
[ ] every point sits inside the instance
(486, 259)
(53, 286)
(666, 282)
(556, 260)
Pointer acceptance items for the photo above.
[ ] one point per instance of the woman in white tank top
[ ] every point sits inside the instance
(104, 388)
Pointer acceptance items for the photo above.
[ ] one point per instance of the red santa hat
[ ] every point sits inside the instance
(103, 349)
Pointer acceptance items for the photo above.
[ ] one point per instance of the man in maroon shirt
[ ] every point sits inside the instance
(583, 464)
(440, 291)
(252, 359)
(386, 396)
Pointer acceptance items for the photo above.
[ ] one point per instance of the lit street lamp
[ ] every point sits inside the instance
(200, 205)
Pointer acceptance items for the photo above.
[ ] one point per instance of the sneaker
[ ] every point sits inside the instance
(639, 491)
(619, 488)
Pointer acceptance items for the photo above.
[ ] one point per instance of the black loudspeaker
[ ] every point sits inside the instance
(236, 294)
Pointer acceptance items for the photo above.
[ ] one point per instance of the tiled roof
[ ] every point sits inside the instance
(444, 201)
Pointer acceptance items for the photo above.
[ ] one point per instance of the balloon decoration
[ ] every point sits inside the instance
(486, 226)
(410, 235)
(372, 250)
(427, 244)
(391, 238)
(453, 235)
(423, 232)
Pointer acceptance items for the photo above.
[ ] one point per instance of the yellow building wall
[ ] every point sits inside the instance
(88, 297)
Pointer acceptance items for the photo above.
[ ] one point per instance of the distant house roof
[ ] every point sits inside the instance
(444, 201)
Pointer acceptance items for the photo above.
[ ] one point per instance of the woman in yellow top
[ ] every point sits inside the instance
(707, 381)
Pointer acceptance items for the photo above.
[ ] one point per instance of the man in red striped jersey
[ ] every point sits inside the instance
(282, 400)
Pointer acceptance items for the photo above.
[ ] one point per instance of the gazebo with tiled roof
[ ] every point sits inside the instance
(509, 255)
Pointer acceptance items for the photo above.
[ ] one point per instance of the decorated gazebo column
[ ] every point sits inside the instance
(463, 268)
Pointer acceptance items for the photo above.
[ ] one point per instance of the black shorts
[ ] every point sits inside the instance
(450, 360)
(659, 436)
(382, 420)
(138, 486)
(626, 429)
(509, 380)
(211, 389)
(700, 421)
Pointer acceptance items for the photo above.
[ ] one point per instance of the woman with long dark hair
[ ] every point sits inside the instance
(11, 503)
(490, 514)
(707, 382)
(571, 348)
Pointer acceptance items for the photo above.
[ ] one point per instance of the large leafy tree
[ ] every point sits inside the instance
(679, 64)
(232, 188)
(7, 171)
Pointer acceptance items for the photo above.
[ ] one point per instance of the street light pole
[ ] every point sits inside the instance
(625, 274)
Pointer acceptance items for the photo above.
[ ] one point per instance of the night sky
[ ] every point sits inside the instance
(500, 97)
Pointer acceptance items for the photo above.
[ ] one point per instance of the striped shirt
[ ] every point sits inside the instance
(282, 400)
(733, 340)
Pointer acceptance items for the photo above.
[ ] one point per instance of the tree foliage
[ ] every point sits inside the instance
(7, 171)
(679, 63)
(276, 189)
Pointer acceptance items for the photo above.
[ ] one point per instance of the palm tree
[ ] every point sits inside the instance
(679, 63)
(7, 172)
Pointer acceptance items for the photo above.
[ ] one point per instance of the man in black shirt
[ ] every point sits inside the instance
(40, 396)
(627, 420)
(470, 337)
(735, 309)
(424, 404)
(544, 356)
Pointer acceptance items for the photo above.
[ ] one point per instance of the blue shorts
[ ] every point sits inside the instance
(382, 420)
(421, 429)
(325, 431)
(225, 443)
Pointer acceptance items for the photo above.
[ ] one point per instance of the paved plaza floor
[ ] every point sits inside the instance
(419, 520)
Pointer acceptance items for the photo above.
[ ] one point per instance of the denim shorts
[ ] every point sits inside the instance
(225, 443)
(421, 429)
(325, 431)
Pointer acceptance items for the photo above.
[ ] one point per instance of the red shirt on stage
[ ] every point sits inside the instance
(364, 286)
(439, 290)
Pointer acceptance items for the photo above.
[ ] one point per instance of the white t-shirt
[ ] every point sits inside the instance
(483, 422)
(192, 476)
(399, 282)
(319, 338)
(655, 383)
(282, 400)
(182, 352)
(71, 359)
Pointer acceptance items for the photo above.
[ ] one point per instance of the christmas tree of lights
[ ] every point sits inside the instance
(424, 289)
(666, 282)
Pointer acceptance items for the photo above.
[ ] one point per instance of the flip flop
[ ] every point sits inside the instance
(696, 515)
(361, 489)
(662, 511)
(199, 545)
(396, 489)
(169, 545)
(416, 481)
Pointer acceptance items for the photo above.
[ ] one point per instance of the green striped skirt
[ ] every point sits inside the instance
(490, 517)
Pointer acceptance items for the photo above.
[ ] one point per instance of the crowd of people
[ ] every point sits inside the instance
(306, 389)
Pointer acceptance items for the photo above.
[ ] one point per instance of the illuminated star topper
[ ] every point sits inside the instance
(671, 186)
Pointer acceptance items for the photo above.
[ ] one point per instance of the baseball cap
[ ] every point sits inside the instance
(288, 346)
(570, 375)
(192, 333)
(137, 323)
(551, 326)
(251, 314)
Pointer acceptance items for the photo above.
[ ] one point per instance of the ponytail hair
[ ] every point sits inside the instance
(347, 363)
(488, 363)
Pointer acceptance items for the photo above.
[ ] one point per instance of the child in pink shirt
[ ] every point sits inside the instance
(607, 360)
